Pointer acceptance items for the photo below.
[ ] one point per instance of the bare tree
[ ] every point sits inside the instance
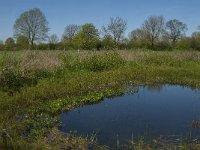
(53, 39)
(115, 28)
(137, 34)
(175, 30)
(70, 32)
(33, 25)
(153, 28)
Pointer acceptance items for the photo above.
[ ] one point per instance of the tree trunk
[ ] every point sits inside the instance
(173, 43)
(32, 43)
(152, 43)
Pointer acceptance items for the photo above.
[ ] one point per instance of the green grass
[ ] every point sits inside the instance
(37, 86)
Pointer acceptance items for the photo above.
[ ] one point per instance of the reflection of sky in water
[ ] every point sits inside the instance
(150, 112)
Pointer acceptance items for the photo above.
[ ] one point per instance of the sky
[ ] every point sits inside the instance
(61, 13)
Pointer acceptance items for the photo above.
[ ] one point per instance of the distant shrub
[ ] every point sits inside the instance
(102, 62)
(42, 46)
(2, 47)
(164, 45)
(184, 44)
(10, 44)
(94, 63)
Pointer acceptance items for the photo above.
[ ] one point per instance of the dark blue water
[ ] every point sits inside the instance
(151, 112)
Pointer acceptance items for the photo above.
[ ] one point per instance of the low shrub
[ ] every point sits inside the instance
(102, 62)
(94, 63)
(12, 80)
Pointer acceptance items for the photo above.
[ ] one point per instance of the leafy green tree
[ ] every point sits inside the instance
(10, 44)
(33, 25)
(195, 41)
(87, 38)
(22, 43)
(184, 44)
(107, 43)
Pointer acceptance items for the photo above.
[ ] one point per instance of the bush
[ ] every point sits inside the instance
(184, 44)
(163, 45)
(94, 63)
(2, 47)
(12, 80)
(105, 62)
(42, 46)
(10, 44)
(13, 77)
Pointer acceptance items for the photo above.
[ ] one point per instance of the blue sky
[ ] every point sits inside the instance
(60, 13)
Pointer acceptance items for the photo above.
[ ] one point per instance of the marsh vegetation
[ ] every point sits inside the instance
(37, 86)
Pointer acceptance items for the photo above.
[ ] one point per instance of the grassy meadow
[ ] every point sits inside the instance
(36, 86)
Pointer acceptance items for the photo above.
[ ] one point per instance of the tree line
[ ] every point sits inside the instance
(31, 32)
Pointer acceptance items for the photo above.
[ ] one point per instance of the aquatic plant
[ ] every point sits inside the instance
(64, 80)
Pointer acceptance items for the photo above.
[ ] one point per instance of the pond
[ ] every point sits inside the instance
(150, 112)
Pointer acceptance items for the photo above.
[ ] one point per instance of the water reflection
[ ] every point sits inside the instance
(154, 87)
(146, 111)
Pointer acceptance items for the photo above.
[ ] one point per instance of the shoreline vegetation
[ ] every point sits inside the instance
(37, 86)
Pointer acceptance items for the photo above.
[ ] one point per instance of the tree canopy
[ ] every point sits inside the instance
(175, 30)
(33, 25)
(153, 28)
(87, 38)
(115, 28)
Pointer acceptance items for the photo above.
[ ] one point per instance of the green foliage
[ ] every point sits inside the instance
(38, 120)
(22, 43)
(184, 44)
(141, 43)
(94, 63)
(9, 79)
(195, 41)
(83, 79)
(42, 46)
(10, 44)
(2, 46)
(105, 62)
(161, 61)
(87, 38)
(13, 77)
(108, 43)
(163, 45)
(52, 46)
